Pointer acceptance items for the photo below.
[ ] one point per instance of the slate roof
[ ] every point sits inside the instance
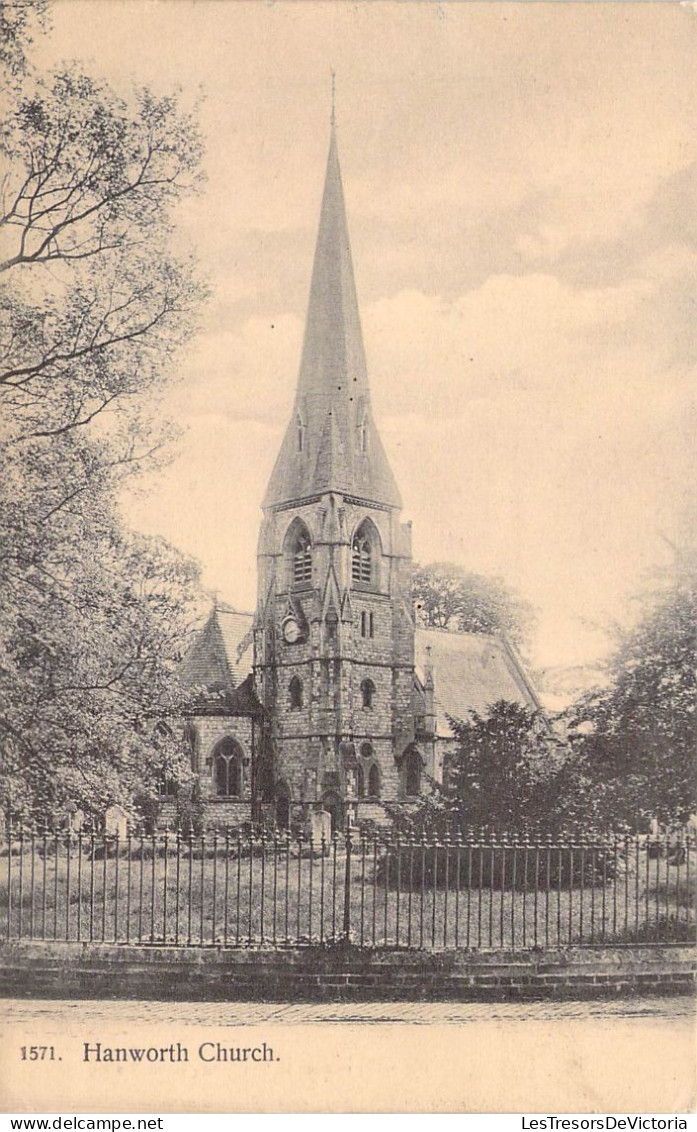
(333, 397)
(221, 656)
(471, 671)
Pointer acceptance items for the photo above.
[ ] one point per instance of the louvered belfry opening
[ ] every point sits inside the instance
(362, 560)
(302, 560)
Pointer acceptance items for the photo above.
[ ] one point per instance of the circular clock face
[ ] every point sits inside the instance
(291, 630)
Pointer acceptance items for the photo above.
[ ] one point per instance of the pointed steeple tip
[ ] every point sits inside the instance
(331, 443)
(332, 120)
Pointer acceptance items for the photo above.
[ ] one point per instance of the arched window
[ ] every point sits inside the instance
(367, 624)
(360, 781)
(296, 693)
(227, 769)
(412, 774)
(361, 559)
(374, 781)
(301, 556)
(366, 553)
(368, 693)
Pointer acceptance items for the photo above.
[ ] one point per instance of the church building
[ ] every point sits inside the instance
(330, 696)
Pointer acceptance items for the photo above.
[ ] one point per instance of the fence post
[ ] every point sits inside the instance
(9, 875)
(347, 885)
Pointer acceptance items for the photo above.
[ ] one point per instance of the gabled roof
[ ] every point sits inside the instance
(221, 656)
(341, 448)
(471, 672)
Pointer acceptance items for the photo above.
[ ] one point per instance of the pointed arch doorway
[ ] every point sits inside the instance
(332, 803)
(282, 805)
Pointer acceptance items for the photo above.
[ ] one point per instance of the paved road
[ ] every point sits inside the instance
(21, 1011)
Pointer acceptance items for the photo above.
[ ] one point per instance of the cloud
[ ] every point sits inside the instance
(545, 244)
(539, 430)
(521, 203)
(246, 373)
(514, 333)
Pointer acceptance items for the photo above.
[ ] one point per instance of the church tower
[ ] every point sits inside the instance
(334, 629)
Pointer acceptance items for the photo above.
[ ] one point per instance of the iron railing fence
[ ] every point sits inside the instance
(275, 890)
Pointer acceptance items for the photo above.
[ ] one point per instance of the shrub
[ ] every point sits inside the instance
(497, 868)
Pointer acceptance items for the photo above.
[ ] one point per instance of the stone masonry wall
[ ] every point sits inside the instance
(333, 664)
(210, 730)
(59, 970)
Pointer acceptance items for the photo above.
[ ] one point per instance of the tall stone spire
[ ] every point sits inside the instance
(332, 443)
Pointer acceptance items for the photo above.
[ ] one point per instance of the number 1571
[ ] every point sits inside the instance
(38, 1053)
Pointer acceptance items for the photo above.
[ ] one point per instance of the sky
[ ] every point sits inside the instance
(521, 188)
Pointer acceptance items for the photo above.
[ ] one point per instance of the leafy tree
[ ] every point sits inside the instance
(632, 744)
(87, 674)
(500, 778)
(90, 190)
(497, 777)
(17, 21)
(94, 307)
(635, 741)
(447, 596)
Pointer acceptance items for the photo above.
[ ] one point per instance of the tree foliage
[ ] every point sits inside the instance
(94, 307)
(630, 758)
(89, 193)
(447, 596)
(499, 772)
(500, 778)
(18, 21)
(635, 741)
